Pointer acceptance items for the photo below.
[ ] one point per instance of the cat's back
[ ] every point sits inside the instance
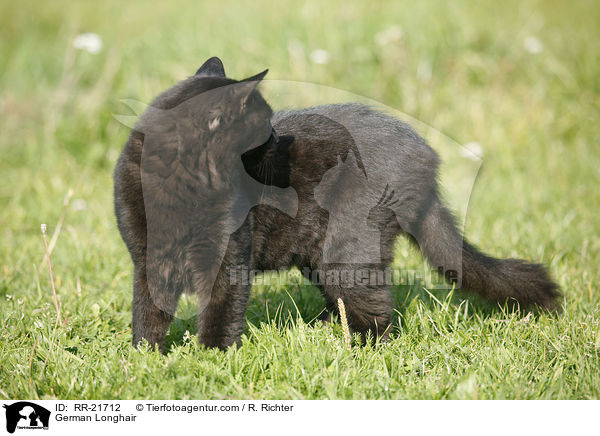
(384, 141)
(354, 117)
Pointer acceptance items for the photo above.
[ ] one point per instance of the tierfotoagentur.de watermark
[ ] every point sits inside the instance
(345, 276)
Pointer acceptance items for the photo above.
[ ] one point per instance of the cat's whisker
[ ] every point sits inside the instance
(269, 172)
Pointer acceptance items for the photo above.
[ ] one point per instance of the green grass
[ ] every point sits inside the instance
(460, 67)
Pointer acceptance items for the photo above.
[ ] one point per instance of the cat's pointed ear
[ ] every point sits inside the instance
(212, 67)
(257, 77)
(245, 87)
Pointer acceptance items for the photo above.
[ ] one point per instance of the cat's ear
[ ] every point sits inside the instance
(248, 85)
(212, 67)
(257, 77)
(244, 88)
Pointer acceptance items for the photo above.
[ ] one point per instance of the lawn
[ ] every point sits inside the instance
(522, 79)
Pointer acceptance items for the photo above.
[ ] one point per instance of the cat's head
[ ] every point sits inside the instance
(306, 147)
(207, 121)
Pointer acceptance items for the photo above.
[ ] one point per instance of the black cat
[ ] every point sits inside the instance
(205, 185)
(181, 191)
(362, 178)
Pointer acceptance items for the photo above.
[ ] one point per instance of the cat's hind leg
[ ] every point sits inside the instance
(368, 304)
(364, 289)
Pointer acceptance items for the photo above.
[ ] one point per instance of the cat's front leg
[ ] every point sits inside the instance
(150, 322)
(221, 319)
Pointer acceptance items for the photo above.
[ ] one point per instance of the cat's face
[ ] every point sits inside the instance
(270, 162)
(303, 150)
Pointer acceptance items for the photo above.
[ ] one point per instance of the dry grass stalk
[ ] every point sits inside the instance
(345, 327)
(58, 317)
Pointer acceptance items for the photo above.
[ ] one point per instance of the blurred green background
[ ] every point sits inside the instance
(519, 78)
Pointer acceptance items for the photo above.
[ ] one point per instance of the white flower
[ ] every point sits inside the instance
(389, 35)
(319, 56)
(472, 150)
(533, 45)
(79, 204)
(90, 42)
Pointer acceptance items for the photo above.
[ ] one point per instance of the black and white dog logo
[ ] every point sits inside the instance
(26, 415)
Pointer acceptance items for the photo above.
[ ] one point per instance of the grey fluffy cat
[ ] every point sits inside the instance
(325, 189)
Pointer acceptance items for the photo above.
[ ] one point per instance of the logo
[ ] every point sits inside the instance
(26, 415)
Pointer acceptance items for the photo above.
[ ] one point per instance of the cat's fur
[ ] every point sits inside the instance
(405, 167)
(320, 152)
(179, 196)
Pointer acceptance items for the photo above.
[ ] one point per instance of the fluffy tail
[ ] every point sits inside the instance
(499, 280)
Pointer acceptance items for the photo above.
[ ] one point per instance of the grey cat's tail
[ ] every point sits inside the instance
(500, 280)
